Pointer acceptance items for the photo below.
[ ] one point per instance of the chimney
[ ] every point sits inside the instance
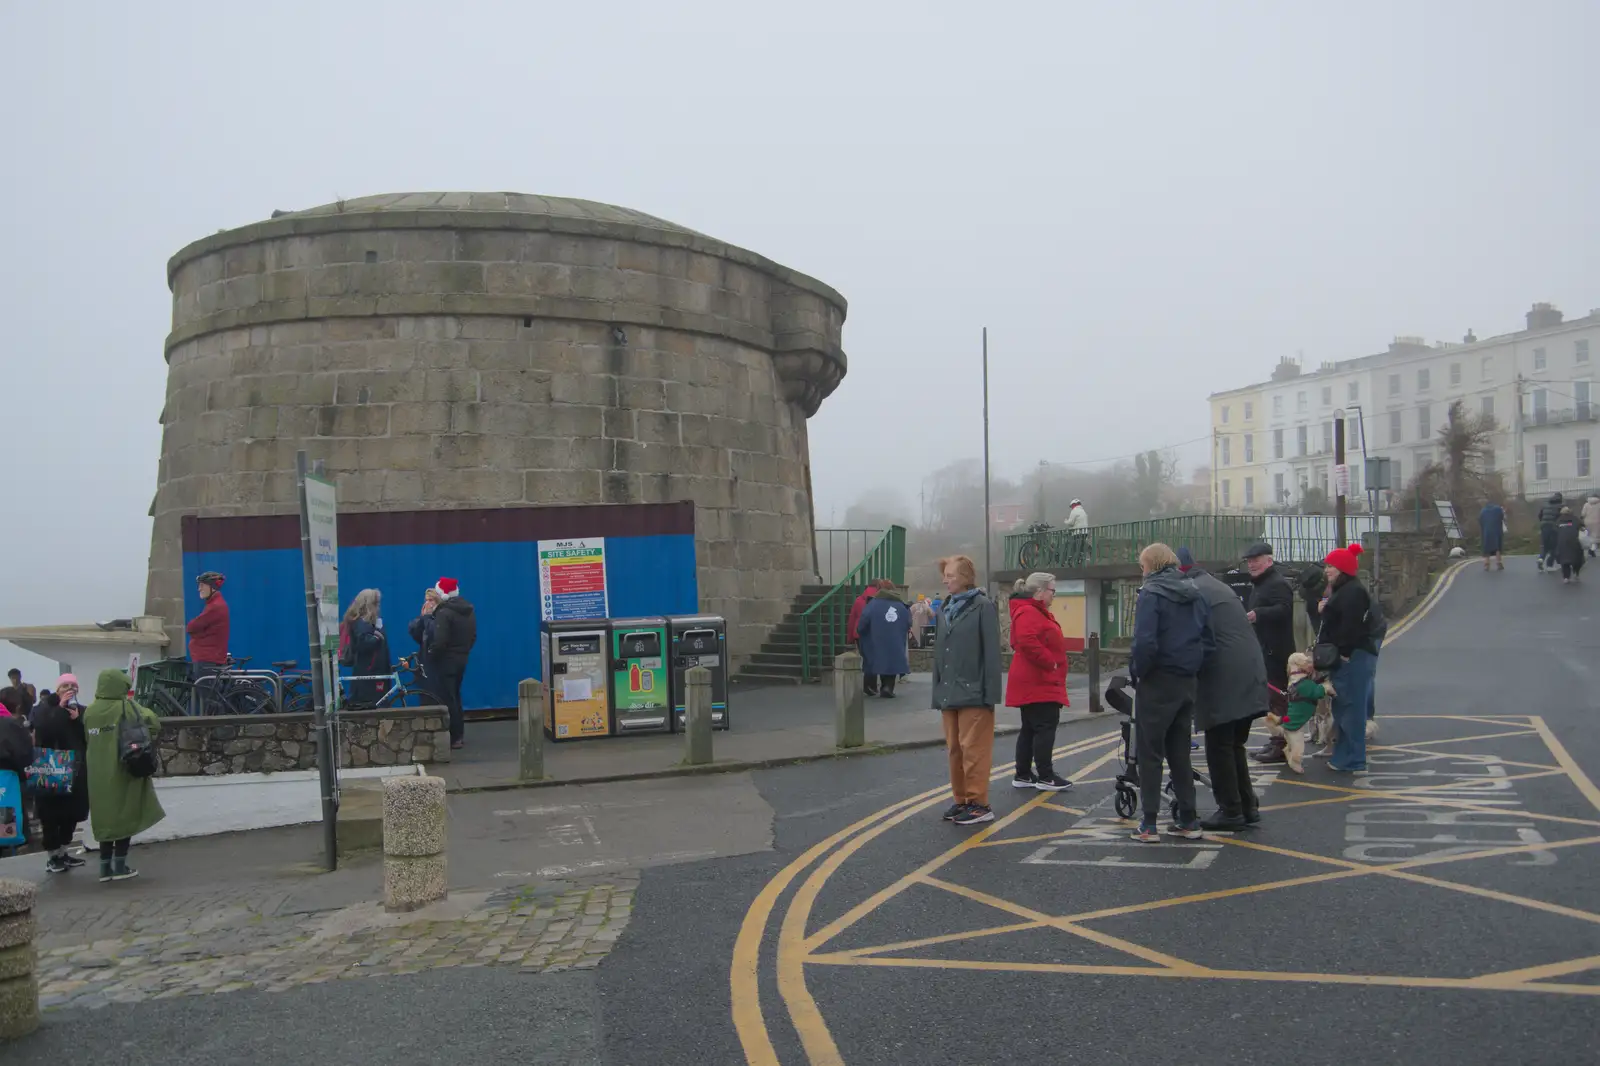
(1287, 368)
(1543, 316)
(1470, 338)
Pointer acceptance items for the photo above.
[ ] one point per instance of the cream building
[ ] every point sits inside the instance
(1536, 382)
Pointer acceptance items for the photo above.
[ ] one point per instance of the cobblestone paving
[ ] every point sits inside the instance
(539, 928)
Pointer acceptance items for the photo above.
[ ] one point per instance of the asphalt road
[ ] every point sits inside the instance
(1344, 965)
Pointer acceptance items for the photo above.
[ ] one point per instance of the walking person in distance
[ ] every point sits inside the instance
(1492, 529)
(455, 631)
(1171, 639)
(966, 687)
(1569, 547)
(1037, 682)
(885, 631)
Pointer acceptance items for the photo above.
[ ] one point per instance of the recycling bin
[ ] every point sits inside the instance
(641, 696)
(577, 679)
(699, 640)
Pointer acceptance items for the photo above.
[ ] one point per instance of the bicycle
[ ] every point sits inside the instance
(1048, 548)
(399, 694)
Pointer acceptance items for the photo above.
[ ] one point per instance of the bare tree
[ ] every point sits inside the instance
(1465, 439)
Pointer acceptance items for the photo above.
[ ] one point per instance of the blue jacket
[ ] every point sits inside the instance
(1171, 627)
(885, 627)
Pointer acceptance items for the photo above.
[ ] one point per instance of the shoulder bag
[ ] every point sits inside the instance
(52, 771)
(135, 748)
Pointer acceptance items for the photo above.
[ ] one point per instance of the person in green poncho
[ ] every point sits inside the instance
(121, 806)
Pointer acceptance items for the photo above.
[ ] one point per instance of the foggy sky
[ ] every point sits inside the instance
(1144, 203)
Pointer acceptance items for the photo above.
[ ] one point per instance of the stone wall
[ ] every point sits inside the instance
(484, 350)
(267, 743)
(1406, 566)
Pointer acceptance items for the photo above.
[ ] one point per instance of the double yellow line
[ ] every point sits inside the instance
(1429, 602)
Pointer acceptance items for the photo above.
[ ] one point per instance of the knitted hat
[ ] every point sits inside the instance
(1345, 560)
(447, 587)
(1185, 560)
(67, 679)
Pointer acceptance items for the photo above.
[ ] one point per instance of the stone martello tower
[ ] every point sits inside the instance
(444, 350)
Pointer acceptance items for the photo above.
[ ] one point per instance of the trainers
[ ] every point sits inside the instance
(954, 811)
(1225, 822)
(1189, 830)
(974, 814)
(72, 861)
(1022, 782)
(1053, 783)
(1146, 833)
(56, 865)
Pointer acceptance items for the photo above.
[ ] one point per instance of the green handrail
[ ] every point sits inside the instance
(822, 625)
(1211, 537)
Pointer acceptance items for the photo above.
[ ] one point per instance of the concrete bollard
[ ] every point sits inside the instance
(19, 985)
(530, 731)
(850, 702)
(697, 716)
(1091, 652)
(414, 872)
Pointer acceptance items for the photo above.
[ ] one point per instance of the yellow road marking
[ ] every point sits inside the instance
(1429, 602)
(1033, 839)
(1469, 983)
(1535, 973)
(1519, 732)
(927, 941)
(1568, 763)
(1059, 807)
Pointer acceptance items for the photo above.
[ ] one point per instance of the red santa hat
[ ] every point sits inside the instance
(1345, 560)
(447, 587)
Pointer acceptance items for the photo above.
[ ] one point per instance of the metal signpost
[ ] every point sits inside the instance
(319, 551)
(1376, 475)
(988, 513)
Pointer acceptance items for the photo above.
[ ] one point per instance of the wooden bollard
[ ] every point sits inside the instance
(19, 984)
(530, 731)
(850, 702)
(1091, 652)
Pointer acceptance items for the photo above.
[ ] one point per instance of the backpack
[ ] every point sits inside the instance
(347, 649)
(1377, 622)
(135, 748)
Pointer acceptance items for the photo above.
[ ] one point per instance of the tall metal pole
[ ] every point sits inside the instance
(988, 568)
(1342, 528)
(320, 724)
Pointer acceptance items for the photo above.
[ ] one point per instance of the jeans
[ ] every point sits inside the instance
(1163, 717)
(1547, 544)
(1372, 693)
(1037, 740)
(1230, 768)
(1353, 682)
(450, 675)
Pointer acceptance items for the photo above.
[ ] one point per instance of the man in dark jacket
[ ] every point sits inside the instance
(455, 631)
(1549, 515)
(1271, 612)
(1231, 693)
(1171, 639)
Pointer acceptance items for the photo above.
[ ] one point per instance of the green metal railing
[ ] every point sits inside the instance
(1212, 538)
(822, 626)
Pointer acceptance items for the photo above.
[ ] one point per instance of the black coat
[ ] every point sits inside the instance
(1346, 621)
(1272, 600)
(455, 631)
(1233, 682)
(55, 727)
(1312, 586)
(1569, 548)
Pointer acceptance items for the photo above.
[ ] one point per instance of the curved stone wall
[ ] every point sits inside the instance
(484, 350)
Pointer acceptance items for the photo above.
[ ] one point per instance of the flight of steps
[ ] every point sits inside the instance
(779, 658)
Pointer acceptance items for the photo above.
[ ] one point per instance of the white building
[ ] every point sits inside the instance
(1535, 382)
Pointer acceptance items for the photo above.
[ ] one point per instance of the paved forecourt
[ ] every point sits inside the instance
(1460, 865)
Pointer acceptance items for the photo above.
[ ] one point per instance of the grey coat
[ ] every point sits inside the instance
(966, 658)
(1233, 681)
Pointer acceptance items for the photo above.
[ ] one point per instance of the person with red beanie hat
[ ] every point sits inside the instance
(1348, 623)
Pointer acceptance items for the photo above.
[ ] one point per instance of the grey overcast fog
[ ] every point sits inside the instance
(1143, 202)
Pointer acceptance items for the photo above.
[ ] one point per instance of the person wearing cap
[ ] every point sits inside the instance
(1270, 611)
(455, 631)
(208, 630)
(1347, 624)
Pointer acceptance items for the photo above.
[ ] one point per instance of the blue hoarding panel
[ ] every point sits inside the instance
(650, 575)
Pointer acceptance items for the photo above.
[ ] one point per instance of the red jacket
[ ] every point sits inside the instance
(850, 632)
(1038, 655)
(208, 632)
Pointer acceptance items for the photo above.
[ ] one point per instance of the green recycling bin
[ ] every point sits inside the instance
(640, 693)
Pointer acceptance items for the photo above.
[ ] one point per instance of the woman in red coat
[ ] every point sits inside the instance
(1037, 683)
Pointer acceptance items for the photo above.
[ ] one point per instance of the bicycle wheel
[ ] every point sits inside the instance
(244, 696)
(168, 704)
(1028, 556)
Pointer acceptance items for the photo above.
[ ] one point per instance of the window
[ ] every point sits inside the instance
(1423, 382)
(1226, 411)
(1277, 405)
(1541, 462)
(1249, 411)
(1249, 491)
(1455, 374)
(1279, 495)
(1300, 440)
(1580, 396)
(1327, 395)
(1541, 406)
(1488, 368)
(1249, 447)
(1488, 406)
(1327, 436)
(1355, 479)
(1353, 392)
(1394, 384)
(1227, 451)
(1580, 351)
(1538, 359)
(1424, 424)
(1394, 427)
(1323, 477)
(1277, 444)
(1300, 400)
(1583, 457)
(1396, 479)
(1227, 494)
